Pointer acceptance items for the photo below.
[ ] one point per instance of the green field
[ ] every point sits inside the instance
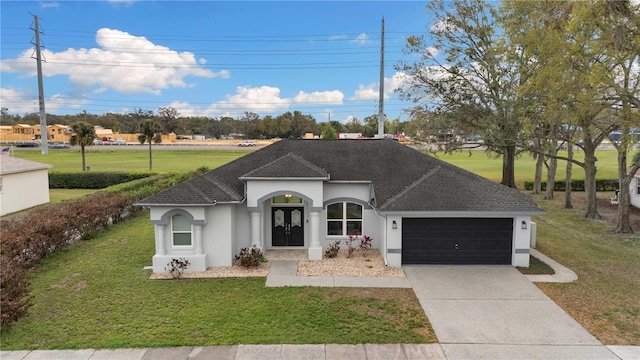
(132, 160)
(187, 160)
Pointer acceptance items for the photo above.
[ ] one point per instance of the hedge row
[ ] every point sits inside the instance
(577, 185)
(30, 237)
(92, 179)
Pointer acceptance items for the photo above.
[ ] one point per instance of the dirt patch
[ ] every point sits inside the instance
(608, 212)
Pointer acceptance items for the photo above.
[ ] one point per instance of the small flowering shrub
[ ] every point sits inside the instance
(357, 241)
(250, 257)
(176, 267)
(365, 243)
(333, 250)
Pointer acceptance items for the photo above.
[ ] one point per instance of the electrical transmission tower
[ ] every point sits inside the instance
(44, 136)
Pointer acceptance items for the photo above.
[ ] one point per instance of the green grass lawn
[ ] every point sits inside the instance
(96, 295)
(133, 160)
(58, 195)
(606, 297)
(188, 160)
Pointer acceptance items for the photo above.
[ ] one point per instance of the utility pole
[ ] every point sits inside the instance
(44, 137)
(381, 91)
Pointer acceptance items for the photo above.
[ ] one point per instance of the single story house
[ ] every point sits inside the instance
(309, 193)
(634, 190)
(23, 184)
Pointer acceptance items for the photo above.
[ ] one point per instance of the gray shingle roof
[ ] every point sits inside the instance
(10, 165)
(404, 179)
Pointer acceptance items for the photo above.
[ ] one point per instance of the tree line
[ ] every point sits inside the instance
(287, 125)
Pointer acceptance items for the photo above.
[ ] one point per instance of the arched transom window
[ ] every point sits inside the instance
(344, 218)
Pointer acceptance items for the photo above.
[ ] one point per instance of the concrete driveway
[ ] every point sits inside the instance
(495, 312)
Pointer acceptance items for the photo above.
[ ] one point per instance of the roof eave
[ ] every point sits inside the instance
(323, 178)
(454, 213)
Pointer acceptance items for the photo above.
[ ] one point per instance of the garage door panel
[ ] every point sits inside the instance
(457, 240)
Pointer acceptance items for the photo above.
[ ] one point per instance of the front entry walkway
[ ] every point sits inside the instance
(495, 312)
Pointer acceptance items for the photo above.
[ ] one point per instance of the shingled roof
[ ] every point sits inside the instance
(11, 165)
(403, 179)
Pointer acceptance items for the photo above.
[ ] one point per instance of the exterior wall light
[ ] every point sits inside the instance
(394, 224)
(524, 225)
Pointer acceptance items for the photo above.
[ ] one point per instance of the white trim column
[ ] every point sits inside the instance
(160, 249)
(315, 248)
(256, 229)
(197, 239)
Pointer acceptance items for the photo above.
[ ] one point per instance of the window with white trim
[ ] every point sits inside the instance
(344, 218)
(180, 230)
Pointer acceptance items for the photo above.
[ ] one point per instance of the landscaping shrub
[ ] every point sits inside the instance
(577, 185)
(333, 250)
(92, 179)
(250, 257)
(41, 231)
(176, 267)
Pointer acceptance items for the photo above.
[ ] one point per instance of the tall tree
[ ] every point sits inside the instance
(83, 135)
(467, 71)
(132, 120)
(150, 131)
(168, 117)
(249, 123)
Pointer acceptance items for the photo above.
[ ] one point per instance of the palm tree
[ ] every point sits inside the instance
(83, 135)
(149, 131)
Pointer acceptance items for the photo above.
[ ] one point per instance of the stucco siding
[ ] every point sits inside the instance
(633, 192)
(242, 229)
(217, 235)
(23, 190)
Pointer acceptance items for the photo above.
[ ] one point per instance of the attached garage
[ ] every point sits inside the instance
(457, 241)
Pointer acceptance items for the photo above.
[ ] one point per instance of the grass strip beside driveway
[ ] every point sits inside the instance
(606, 297)
(96, 295)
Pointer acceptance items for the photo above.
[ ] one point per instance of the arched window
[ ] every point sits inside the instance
(344, 218)
(180, 230)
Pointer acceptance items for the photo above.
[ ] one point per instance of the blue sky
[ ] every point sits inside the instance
(207, 58)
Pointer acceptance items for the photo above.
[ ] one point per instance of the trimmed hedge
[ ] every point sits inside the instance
(577, 185)
(92, 179)
(28, 238)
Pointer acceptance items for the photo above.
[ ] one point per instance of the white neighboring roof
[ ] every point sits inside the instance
(11, 165)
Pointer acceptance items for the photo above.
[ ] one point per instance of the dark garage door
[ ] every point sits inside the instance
(457, 241)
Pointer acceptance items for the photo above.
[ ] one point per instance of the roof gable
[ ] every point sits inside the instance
(288, 166)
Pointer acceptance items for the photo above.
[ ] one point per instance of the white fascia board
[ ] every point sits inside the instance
(461, 214)
(285, 178)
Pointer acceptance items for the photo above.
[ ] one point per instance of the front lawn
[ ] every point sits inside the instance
(96, 295)
(606, 297)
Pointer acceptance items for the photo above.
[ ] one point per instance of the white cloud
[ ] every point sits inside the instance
(49, 4)
(372, 91)
(325, 97)
(432, 51)
(366, 92)
(26, 101)
(124, 63)
(442, 25)
(361, 39)
(263, 99)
